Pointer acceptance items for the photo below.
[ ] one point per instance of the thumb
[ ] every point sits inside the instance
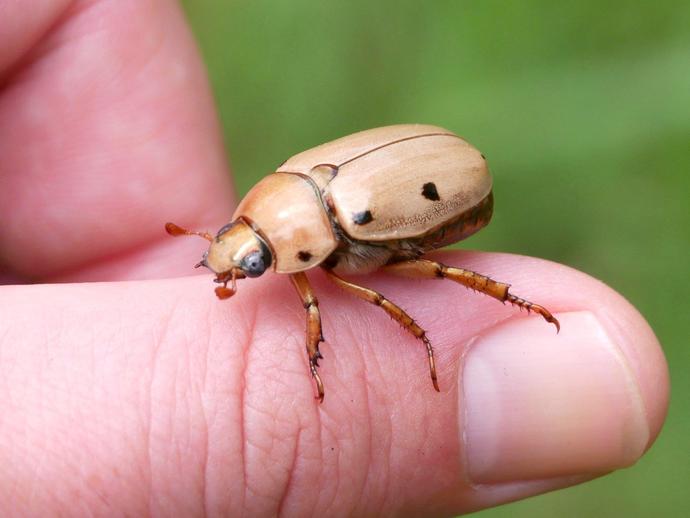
(155, 397)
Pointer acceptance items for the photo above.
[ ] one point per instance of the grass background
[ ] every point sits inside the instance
(582, 109)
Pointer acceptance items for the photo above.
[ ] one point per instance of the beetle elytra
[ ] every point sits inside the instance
(377, 199)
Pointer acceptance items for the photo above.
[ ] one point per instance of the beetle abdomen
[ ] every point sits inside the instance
(459, 228)
(366, 256)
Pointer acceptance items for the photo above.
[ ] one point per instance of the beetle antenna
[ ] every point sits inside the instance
(175, 230)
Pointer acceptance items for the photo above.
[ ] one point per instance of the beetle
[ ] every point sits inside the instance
(377, 199)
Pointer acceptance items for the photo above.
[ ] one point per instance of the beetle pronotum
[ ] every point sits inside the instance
(378, 199)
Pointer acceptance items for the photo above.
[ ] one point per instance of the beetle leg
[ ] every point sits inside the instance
(394, 311)
(425, 269)
(314, 334)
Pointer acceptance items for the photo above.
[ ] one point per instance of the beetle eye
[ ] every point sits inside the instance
(253, 264)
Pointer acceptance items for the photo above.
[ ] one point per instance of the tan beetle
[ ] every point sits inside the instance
(378, 199)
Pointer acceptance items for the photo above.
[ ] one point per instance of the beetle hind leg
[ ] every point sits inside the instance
(314, 333)
(425, 269)
(395, 312)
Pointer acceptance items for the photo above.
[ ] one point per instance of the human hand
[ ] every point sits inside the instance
(154, 397)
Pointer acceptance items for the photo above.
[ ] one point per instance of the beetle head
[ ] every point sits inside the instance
(236, 251)
(237, 247)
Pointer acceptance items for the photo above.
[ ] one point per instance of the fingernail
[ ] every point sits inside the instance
(540, 405)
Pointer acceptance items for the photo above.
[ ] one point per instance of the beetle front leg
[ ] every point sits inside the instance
(395, 312)
(314, 334)
(425, 269)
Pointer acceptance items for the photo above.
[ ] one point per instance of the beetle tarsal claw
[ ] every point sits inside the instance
(535, 308)
(434, 380)
(223, 292)
(432, 362)
(317, 380)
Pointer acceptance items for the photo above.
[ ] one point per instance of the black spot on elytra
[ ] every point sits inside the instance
(429, 191)
(304, 256)
(362, 218)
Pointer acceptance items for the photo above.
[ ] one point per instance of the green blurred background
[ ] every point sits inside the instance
(582, 109)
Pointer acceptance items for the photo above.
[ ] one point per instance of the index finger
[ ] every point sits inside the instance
(107, 130)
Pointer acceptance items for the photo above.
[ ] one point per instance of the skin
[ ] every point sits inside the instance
(153, 397)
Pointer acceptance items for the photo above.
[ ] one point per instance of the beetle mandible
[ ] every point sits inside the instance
(377, 199)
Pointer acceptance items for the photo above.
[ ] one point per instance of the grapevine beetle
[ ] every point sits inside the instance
(377, 199)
